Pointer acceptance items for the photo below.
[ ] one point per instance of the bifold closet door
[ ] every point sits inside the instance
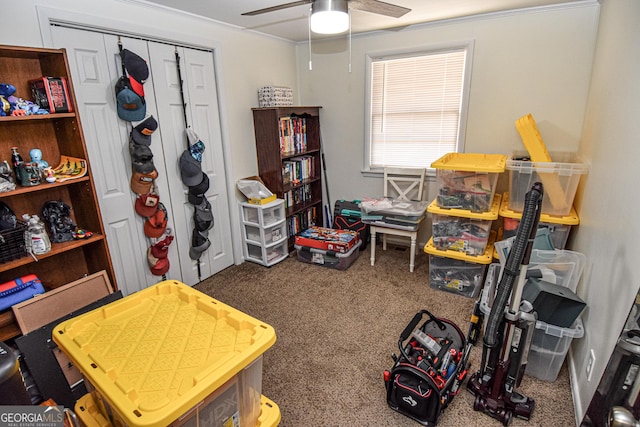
(200, 95)
(95, 66)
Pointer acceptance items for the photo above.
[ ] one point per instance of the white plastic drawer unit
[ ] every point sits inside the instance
(263, 215)
(264, 232)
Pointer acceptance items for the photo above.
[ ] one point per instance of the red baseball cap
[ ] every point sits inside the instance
(147, 204)
(161, 248)
(158, 266)
(155, 225)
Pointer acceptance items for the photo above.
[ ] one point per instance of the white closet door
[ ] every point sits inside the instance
(199, 89)
(92, 59)
(95, 66)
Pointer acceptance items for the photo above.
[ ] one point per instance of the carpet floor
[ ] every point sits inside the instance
(336, 331)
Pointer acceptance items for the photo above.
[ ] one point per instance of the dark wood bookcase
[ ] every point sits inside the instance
(55, 134)
(302, 192)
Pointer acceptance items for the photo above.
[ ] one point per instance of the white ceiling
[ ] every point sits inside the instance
(292, 23)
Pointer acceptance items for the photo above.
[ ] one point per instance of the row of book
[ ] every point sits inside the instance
(297, 169)
(293, 135)
(301, 221)
(297, 195)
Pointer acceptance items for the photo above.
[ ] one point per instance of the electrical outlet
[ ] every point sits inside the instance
(590, 362)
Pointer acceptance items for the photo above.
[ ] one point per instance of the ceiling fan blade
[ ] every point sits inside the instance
(379, 7)
(279, 7)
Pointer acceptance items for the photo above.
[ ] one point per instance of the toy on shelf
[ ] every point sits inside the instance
(11, 105)
(36, 157)
(58, 217)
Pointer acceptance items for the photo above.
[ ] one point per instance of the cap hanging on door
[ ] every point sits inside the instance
(190, 165)
(136, 69)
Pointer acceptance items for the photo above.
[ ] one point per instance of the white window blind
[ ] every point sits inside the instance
(416, 108)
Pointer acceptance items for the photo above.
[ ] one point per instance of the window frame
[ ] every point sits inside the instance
(466, 45)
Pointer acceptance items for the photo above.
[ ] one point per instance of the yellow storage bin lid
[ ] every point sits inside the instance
(532, 139)
(485, 258)
(472, 162)
(88, 412)
(158, 352)
(269, 413)
(490, 215)
(571, 219)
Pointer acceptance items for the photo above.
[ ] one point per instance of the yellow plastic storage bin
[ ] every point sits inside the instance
(461, 230)
(160, 356)
(90, 416)
(559, 226)
(468, 180)
(456, 272)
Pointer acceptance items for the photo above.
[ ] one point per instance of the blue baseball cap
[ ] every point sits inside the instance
(131, 106)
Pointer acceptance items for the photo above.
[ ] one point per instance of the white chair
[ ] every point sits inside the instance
(400, 184)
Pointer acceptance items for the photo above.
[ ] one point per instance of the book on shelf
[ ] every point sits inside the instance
(297, 195)
(302, 168)
(293, 135)
(301, 221)
(287, 172)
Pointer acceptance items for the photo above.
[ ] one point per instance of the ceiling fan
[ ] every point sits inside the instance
(332, 16)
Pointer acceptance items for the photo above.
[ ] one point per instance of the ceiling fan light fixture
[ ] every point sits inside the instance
(329, 16)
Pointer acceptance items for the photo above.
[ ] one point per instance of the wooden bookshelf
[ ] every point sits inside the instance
(288, 139)
(55, 134)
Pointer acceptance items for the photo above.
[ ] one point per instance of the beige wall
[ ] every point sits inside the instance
(608, 202)
(535, 62)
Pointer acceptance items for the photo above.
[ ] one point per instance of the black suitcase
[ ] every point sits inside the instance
(346, 216)
(427, 375)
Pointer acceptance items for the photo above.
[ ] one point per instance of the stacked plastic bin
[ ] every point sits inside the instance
(558, 227)
(169, 355)
(560, 175)
(560, 179)
(550, 343)
(463, 213)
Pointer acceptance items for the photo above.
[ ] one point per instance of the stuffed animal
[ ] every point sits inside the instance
(5, 107)
(16, 106)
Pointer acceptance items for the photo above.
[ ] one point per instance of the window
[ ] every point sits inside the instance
(416, 106)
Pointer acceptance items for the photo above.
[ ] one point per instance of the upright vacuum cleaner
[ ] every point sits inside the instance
(509, 328)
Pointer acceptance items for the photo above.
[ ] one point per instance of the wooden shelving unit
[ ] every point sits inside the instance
(56, 135)
(303, 197)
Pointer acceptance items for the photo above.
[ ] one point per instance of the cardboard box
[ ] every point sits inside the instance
(51, 94)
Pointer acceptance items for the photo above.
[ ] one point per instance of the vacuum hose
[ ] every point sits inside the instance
(521, 247)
